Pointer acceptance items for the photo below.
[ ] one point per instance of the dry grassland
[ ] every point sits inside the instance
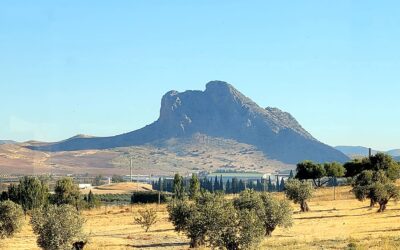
(339, 224)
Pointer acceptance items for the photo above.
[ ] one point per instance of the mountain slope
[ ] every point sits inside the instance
(219, 111)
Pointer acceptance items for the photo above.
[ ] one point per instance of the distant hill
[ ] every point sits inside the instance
(354, 151)
(220, 111)
(394, 152)
(2, 142)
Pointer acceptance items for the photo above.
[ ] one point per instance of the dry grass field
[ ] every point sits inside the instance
(339, 224)
(118, 188)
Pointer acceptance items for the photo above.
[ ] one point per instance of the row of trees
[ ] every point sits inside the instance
(55, 218)
(232, 186)
(33, 193)
(372, 178)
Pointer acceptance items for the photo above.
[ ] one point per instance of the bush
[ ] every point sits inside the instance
(11, 219)
(57, 227)
(147, 218)
(147, 197)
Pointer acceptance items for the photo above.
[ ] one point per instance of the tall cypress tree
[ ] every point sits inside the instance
(216, 184)
(278, 189)
(291, 175)
(178, 187)
(221, 183)
(234, 185)
(270, 186)
(194, 188)
(282, 185)
(228, 187)
(241, 186)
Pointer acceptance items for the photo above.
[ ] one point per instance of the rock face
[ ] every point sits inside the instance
(219, 111)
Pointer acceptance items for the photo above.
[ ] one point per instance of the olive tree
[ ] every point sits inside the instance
(308, 170)
(272, 212)
(277, 213)
(376, 186)
(236, 229)
(57, 227)
(11, 219)
(214, 220)
(299, 192)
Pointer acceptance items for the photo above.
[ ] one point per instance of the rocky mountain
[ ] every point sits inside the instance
(220, 111)
(359, 151)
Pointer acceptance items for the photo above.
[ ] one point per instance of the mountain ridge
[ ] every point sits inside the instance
(364, 151)
(218, 111)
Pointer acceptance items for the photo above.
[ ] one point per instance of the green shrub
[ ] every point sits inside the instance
(11, 219)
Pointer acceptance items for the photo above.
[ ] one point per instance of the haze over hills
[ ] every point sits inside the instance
(360, 151)
(2, 142)
(222, 112)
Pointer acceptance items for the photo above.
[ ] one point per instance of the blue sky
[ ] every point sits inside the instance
(101, 67)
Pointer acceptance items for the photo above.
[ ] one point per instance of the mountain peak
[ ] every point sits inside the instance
(218, 86)
(224, 112)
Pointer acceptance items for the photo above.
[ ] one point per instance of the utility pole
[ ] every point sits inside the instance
(130, 161)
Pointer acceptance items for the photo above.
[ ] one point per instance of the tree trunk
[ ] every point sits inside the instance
(372, 204)
(304, 206)
(268, 231)
(194, 243)
(382, 206)
(315, 183)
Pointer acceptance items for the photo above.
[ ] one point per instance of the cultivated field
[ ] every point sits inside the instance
(118, 188)
(340, 224)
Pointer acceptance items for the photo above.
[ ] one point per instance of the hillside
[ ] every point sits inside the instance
(164, 157)
(220, 111)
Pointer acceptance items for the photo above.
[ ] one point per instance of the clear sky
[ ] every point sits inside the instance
(101, 67)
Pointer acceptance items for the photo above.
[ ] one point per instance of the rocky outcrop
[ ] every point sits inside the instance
(219, 111)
